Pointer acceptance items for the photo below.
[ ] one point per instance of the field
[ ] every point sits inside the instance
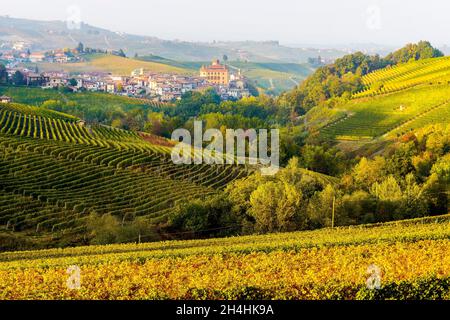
(113, 64)
(404, 76)
(87, 105)
(55, 171)
(395, 100)
(406, 259)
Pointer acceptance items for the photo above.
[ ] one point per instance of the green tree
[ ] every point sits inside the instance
(274, 207)
(320, 208)
(367, 172)
(3, 74)
(205, 217)
(80, 47)
(18, 78)
(321, 159)
(73, 82)
(121, 53)
(102, 229)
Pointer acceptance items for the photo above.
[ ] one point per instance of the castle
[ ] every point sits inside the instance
(216, 73)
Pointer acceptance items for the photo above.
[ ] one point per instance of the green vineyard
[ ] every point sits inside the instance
(441, 114)
(55, 171)
(404, 76)
(395, 100)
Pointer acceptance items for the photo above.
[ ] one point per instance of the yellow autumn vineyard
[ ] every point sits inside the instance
(413, 258)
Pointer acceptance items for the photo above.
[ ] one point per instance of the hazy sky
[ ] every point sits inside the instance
(390, 22)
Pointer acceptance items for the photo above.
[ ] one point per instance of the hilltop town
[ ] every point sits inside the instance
(140, 83)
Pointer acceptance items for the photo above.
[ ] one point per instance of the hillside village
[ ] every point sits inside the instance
(140, 83)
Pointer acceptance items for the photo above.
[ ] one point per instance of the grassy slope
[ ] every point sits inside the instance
(37, 96)
(113, 64)
(415, 95)
(373, 117)
(83, 153)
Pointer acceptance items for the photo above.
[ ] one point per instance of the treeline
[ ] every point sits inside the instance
(252, 112)
(331, 83)
(411, 179)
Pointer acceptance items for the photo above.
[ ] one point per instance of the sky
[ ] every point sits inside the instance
(385, 22)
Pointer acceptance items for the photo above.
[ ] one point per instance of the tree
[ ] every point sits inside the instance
(80, 48)
(367, 172)
(73, 82)
(102, 229)
(3, 74)
(274, 206)
(442, 169)
(18, 78)
(412, 51)
(225, 58)
(206, 217)
(414, 204)
(320, 159)
(320, 208)
(389, 196)
(121, 53)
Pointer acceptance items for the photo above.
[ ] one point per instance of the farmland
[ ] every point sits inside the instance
(324, 264)
(54, 172)
(90, 106)
(395, 100)
(113, 64)
(404, 76)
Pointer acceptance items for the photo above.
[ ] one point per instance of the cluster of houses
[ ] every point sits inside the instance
(163, 87)
(53, 56)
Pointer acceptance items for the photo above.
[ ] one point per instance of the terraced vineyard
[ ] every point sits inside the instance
(54, 171)
(373, 117)
(395, 100)
(411, 257)
(404, 76)
(441, 114)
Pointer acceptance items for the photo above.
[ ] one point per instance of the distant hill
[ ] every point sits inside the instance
(111, 63)
(69, 170)
(44, 35)
(270, 77)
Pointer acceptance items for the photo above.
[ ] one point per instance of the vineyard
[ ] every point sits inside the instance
(55, 171)
(410, 258)
(395, 100)
(404, 76)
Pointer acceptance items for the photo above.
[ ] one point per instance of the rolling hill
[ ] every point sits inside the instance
(46, 35)
(111, 64)
(395, 100)
(270, 77)
(55, 171)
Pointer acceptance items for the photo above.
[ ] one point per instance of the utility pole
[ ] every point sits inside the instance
(332, 212)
